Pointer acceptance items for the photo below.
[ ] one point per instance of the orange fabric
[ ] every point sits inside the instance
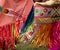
(42, 36)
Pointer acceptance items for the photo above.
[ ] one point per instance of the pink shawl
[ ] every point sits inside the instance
(17, 6)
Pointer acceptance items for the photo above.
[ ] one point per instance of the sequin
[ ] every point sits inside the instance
(1, 8)
(5, 11)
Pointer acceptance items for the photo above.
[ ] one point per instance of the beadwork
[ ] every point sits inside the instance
(1, 8)
(5, 11)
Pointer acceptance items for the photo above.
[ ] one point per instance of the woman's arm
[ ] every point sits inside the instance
(48, 3)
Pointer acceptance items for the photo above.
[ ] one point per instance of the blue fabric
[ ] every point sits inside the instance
(28, 21)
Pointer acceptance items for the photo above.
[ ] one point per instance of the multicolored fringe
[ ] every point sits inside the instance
(55, 36)
(6, 37)
(28, 35)
(48, 33)
(42, 36)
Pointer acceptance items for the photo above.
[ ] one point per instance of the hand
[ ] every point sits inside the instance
(36, 3)
(47, 3)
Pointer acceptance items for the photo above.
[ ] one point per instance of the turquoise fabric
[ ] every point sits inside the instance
(0, 8)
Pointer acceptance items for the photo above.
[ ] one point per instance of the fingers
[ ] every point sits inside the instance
(36, 3)
(41, 3)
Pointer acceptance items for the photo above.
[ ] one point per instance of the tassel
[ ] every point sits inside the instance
(55, 35)
(42, 35)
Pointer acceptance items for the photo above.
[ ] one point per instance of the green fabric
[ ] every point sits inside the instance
(22, 46)
(13, 29)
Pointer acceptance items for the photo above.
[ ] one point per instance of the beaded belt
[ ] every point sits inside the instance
(10, 12)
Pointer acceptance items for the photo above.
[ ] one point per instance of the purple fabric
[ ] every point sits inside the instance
(39, 0)
(45, 0)
(55, 48)
(55, 36)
